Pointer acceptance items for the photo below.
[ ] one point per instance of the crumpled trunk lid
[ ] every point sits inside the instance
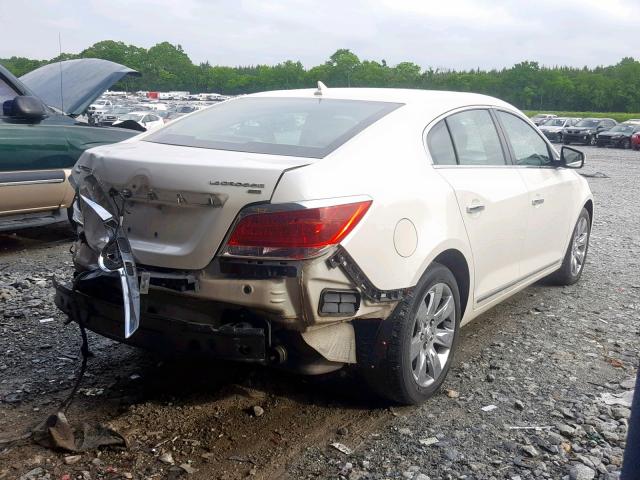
(182, 201)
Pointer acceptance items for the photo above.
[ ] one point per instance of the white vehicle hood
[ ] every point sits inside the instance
(183, 200)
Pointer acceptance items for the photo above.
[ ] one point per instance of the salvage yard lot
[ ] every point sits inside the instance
(617, 116)
(544, 358)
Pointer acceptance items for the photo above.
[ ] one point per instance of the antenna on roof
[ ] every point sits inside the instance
(60, 64)
(321, 89)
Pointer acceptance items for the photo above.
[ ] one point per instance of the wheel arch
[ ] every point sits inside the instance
(589, 206)
(456, 262)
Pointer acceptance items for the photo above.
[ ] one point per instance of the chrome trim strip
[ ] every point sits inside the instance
(31, 182)
(499, 290)
(438, 167)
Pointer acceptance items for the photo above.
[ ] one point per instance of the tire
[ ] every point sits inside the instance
(567, 274)
(591, 141)
(559, 138)
(626, 144)
(394, 372)
(566, 142)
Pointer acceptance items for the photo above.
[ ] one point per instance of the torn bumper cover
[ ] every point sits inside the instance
(104, 233)
(158, 332)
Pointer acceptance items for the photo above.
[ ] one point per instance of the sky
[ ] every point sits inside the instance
(449, 34)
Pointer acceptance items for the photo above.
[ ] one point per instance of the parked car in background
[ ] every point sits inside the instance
(552, 128)
(585, 130)
(40, 138)
(618, 136)
(270, 229)
(632, 121)
(99, 106)
(635, 141)
(541, 118)
(111, 115)
(146, 120)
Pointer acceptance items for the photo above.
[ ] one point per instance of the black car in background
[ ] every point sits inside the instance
(585, 130)
(619, 136)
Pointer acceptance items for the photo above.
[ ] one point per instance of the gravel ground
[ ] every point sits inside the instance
(526, 398)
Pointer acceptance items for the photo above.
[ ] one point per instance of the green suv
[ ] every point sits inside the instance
(41, 138)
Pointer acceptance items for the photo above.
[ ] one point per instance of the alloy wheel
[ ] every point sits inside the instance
(579, 246)
(433, 334)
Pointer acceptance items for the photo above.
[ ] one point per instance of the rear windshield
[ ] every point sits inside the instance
(588, 122)
(301, 127)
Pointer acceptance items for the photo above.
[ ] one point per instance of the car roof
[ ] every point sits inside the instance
(434, 100)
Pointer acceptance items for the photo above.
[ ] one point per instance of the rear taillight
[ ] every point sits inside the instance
(294, 233)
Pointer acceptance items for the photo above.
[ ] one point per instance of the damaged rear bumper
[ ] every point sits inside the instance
(238, 341)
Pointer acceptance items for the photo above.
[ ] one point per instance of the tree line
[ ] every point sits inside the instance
(528, 85)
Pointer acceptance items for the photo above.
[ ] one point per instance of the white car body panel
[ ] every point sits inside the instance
(509, 245)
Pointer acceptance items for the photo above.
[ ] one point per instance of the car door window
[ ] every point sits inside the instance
(6, 93)
(475, 138)
(528, 147)
(440, 146)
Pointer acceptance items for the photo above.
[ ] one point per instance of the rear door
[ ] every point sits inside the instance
(550, 194)
(32, 160)
(492, 197)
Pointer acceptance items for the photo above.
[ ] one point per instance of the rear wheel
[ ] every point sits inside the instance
(626, 143)
(576, 254)
(421, 337)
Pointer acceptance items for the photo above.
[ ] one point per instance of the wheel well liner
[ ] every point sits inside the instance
(455, 261)
(589, 207)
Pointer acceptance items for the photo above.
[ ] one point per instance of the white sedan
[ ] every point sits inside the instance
(147, 120)
(322, 229)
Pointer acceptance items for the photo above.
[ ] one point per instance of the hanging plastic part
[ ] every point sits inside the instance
(129, 284)
(117, 257)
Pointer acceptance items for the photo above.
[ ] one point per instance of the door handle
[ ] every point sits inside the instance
(475, 208)
(537, 201)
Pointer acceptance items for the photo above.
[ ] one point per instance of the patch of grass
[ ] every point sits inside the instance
(617, 116)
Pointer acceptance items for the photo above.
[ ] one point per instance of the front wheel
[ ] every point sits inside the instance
(592, 140)
(420, 338)
(576, 254)
(626, 144)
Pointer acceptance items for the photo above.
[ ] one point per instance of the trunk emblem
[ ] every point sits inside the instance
(252, 187)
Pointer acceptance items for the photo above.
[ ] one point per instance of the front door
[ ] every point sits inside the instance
(33, 156)
(549, 208)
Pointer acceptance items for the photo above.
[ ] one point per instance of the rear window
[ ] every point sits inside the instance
(301, 127)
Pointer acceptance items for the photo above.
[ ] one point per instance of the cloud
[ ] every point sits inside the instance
(452, 34)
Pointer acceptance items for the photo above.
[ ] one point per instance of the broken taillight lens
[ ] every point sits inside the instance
(296, 233)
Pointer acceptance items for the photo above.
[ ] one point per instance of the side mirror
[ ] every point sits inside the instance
(28, 108)
(571, 158)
